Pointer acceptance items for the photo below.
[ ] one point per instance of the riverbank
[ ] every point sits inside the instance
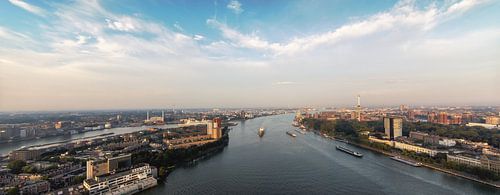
(430, 166)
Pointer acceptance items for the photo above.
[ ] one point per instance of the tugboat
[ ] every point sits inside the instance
(348, 151)
(291, 134)
(261, 132)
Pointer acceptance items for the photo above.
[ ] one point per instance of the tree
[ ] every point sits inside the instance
(13, 191)
(29, 169)
(16, 166)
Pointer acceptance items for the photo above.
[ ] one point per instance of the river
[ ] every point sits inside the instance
(5, 148)
(280, 164)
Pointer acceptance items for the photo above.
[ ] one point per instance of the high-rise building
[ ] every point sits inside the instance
(443, 118)
(456, 119)
(358, 109)
(431, 117)
(216, 130)
(393, 127)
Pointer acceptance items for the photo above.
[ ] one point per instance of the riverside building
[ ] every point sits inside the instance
(133, 180)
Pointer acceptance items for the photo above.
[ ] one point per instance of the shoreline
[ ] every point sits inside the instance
(443, 170)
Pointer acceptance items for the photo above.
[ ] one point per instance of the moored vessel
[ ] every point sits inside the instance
(291, 134)
(408, 162)
(348, 151)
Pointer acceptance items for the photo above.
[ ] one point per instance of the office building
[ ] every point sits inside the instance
(98, 167)
(393, 127)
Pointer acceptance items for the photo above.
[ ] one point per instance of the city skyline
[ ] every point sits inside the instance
(87, 55)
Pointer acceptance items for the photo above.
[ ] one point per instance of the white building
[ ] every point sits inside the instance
(447, 142)
(487, 126)
(131, 181)
(464, 160)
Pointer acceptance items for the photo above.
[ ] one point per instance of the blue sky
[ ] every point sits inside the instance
(151, 54)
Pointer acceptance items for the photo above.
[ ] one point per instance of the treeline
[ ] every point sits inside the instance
(477, 134)
(345, 128)
(170, 158)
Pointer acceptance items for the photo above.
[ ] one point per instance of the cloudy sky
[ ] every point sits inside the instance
(57, 55)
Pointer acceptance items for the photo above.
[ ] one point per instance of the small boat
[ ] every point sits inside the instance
(408, 162)
(301, 132)
(348, 151)
(291, 134)
(295, 124)
(261, 132)
(342, 140)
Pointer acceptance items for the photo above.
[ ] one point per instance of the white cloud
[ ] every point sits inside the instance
(198, 37)
(235, 6)
(96, 51)
(404, 16)
(126, 24)
(28, 7)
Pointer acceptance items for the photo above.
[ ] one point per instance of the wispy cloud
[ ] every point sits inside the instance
(28, 7)
(198, 37)
(284, 83)
(405, 15)
(94, 50)
(235, 6)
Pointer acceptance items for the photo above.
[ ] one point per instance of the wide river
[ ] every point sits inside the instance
(280, 164)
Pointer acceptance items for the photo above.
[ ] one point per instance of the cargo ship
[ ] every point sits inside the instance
(291, 134)
(408, 162)
(348, 151)
(261, 132)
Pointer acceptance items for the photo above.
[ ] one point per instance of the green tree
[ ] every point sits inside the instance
(16, 166)
(13, 191)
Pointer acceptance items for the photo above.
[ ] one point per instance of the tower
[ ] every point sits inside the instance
(162, 116)
(147, 116)
(393, 127)
(358, 109)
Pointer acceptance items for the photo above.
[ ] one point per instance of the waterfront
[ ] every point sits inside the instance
(5, 148)
(278, 163)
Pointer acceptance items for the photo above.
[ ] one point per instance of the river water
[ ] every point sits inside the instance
(280, 164)
(5, 148)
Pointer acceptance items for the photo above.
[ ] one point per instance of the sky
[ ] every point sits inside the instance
(123, 54)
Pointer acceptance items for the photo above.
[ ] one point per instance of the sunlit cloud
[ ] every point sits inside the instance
(28, 7)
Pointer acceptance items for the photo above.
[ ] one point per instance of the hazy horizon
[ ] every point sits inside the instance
(104, 55)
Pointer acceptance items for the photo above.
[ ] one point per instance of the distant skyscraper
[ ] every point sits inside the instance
(393, 127)
(431, 117)
(358, 109)
(443, 118)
